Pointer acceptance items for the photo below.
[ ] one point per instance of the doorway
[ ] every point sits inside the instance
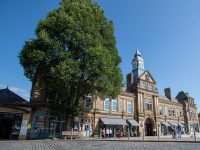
(5, 128)
(86, 130)
(149, 125)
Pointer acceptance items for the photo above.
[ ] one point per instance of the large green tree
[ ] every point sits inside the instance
(74, 54)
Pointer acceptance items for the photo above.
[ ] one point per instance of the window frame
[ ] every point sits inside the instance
(107, 100)
(115, 101)
(148, 103)
(160, 111)
(129, 103)
(87, 98)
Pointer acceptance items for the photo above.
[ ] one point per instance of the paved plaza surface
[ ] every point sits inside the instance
(95, 145)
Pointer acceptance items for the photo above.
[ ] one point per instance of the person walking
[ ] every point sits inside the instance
(104, 132)
(110, 133)
(107, 132)
(179, 132)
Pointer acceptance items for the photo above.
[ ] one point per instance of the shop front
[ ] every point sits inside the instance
(47, 125)
(165, 128)
(112, 127)
(133, 126)
(10, 124)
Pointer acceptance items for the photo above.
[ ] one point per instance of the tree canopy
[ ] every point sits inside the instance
(74, 54)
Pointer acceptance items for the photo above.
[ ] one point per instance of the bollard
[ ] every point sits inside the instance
(195, 138)
(143, 133)
(100, 134)
(128, 134)
(71, 133)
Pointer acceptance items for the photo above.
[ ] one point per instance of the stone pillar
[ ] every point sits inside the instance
(24, 126)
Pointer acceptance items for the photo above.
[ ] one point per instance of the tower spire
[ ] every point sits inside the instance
(138, 63)
(137, 53)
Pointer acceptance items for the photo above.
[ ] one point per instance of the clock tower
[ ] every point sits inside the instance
(138, 64)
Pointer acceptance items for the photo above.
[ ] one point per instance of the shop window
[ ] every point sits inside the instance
(114, 105)
(107, 104)
(129, 107)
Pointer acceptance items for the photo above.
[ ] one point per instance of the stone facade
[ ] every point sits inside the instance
(154, 113)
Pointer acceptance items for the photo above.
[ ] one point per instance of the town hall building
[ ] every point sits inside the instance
(139, 108)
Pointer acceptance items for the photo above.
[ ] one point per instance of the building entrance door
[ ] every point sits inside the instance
(149, 127)
(86, 130)
(5, 128)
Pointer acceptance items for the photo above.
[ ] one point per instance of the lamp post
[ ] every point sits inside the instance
(158, 132)
(142, 126)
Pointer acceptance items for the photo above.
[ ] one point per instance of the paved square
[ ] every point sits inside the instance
(96, 145)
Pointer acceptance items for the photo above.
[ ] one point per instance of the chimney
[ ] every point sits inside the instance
(168, 93)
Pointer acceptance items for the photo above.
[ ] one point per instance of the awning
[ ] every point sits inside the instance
(173, 123)
(193, 124)
(113, 121)
(181, 124)
(165, 124)
(133, 122)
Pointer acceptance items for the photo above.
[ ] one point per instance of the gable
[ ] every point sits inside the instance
(146, 75)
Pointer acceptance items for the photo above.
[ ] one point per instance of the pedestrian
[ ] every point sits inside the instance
(110, 133)
(173, 132)
(107, 132)
(104, 132)
(179, 132)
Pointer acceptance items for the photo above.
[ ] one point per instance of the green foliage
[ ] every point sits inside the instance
(75, 53)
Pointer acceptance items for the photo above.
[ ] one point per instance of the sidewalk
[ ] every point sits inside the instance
(151, 138)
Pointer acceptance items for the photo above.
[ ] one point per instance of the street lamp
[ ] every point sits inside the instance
(158, 131)
(142, 126)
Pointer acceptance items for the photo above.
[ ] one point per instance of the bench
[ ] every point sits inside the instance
(71, 134)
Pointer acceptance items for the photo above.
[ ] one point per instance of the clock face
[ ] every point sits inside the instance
(141, 65)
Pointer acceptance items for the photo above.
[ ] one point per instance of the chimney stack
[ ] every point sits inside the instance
(168, 93)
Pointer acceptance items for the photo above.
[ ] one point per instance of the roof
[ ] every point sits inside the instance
(164, 98)
(137, 53)
(10, 98)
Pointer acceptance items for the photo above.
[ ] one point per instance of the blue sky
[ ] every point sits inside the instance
(166, 32)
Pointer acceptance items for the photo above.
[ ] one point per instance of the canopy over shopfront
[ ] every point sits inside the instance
(113, 121)
(181, 124)
(173, 123)
(165, 124)
(194, 124)
(133, 122)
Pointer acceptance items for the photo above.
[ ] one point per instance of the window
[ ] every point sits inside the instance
(181, 113)
(160, 110)
(148, 105)
(107, 104)
(172, 112)
(169, 111)
(129, 107)
(114, 105)
(88, 102)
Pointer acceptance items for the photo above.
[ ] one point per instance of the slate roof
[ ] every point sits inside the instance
(10, 98)
(164, 98)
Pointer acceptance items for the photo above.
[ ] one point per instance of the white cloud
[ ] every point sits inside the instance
(21, 92)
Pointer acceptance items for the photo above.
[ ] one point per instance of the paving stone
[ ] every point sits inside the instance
(96, 145)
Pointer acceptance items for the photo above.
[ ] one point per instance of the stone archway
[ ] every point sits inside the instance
(149, 126)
